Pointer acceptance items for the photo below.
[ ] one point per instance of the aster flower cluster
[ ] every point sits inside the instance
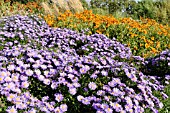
(158, 67)
(59, 70)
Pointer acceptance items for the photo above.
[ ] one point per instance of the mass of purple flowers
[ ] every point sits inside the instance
(59, 70)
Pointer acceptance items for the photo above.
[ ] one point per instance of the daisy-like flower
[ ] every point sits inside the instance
(109, 110)
(8, 79)
(43, 66)
(3, 74)
(72, 91)
(32, 111)
(100, 92)
(92, 85)
(31, 60)
(11, 67)
(37, 72)
(63, 107)
(116, 106)
(11, 96)
(9, 86)
(115, 92)
(46, 81)
(104, 73)
(83, 70)
(100, 111)
(80, 98)
(49, 106)
(29, 72)
(85, 101)
(54, 85)
(104, 106)
(59, 97)
(58, 110)
(1, 79)
(11, 110)
(25, 84)
(41, 77)
(23, 78)
(45, 109)
(15, 78)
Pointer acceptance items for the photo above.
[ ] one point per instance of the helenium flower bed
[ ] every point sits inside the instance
(59, 70)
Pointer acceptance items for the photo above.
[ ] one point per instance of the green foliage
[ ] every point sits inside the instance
(158, 10)
(85, 4)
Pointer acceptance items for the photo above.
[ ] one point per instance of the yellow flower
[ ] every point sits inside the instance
(147, 45)
(135, 48)
(158, 45)
(152, 38)
(153, 50)
(99, 32)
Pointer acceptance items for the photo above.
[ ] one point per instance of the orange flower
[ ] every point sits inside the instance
(152, 38)
(147, 45)
(135, 48)
(158, 45)
(153, 50)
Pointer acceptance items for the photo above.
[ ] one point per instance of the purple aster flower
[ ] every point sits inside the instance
(128, 107)
(45, 109)
(100, 92)
(107, 98)
(104, 106)
(107, 88)
(11, 96)
(104, 73)
(76, 84)
(63, 74)
(25, 84)
(71, 76)
(100, 111)
(9, 86)
(115, 92)
(109, 110)
(80, 98)
(92, 85)
(41, 77)
(46, 81)
(165, 96)
(45, 98)
(37, 72)
(49, 106)
(58, 110)
(63, 107)
(59, 97)
(15, 78)
(11, 110)
(43, 67)
(30, 60)
(94, 76)
(57, 63)
(97, 106)
(11, 67)
(1, 79)
(54, 85)
(32, 111)
(85, 101)
(128, 100)
(23, 78)
(36, 66)
(3, 73)
(72, 91)
(112, 83)
(116, 106)
(29, 72)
